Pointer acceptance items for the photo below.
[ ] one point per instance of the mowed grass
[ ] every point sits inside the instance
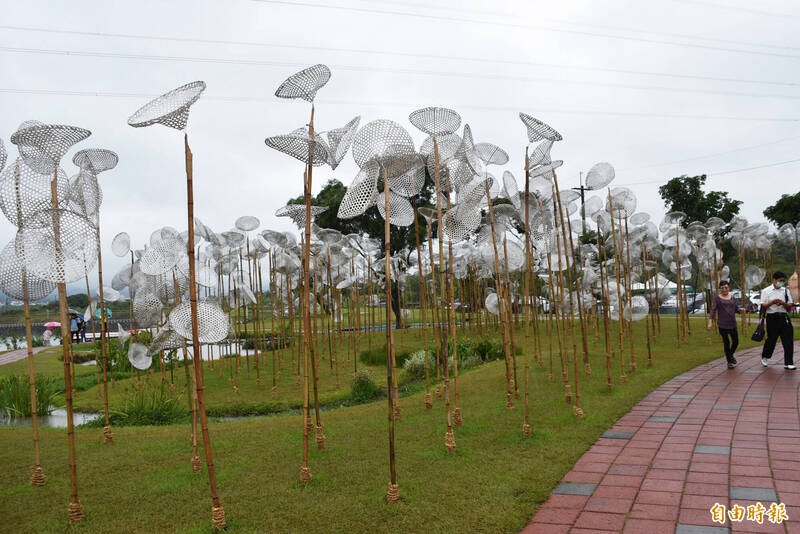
(493, 483)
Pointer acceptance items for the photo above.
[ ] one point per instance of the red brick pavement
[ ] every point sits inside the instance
(711, 435)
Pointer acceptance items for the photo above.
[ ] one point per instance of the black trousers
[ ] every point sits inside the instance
(779, 326)
(730, 340)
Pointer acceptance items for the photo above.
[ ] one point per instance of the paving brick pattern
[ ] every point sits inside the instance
(708, 436)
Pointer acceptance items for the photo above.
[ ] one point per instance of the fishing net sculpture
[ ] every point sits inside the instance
(384, 149)
(459, 162)
(172, 110)
(52, 244)
(87, 195)
(307, 146)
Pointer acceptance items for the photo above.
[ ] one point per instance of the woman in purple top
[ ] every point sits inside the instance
(724, 308)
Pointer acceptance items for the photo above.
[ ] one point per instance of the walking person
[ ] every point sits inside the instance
(776, 301)
(724, 308)
(73, 329)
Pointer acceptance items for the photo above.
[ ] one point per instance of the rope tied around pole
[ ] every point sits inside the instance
(320, 438)
(526, 430)
(37, 475)
(578, 412)
(305, 474)
(218, 517)
(108, 435)
(457, 416)
(75, 512)
(450, 441)
(428, 401)
(398, 415)
(197, 465)
(393, 494)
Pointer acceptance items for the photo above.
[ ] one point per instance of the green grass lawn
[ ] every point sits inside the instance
(493, 483)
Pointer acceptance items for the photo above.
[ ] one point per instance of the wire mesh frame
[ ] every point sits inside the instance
(50, 141)
(95, 160)
(435, 121)
(24, 192)
(212, 322)
(305, 83)
(170, 109)
(538, 130)
(12, 273)
(61, 251)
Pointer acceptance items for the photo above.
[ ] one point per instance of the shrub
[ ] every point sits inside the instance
(147, 406)
(15, 395)
(469, 362)
(363, 387)
(414, 366)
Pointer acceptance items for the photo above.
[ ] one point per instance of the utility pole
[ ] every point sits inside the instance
(582, 189)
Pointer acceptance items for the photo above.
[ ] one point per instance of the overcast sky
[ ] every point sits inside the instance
(658, 89)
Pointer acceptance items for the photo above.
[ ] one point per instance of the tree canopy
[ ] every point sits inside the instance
(685, 193)
(371, 221)
(785, 210)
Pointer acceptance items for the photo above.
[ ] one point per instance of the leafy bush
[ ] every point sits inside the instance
(363, 387)
(15, 395)
(414, 366)
(147, 406)
(484, 349)
(377, 356)
(469, 362)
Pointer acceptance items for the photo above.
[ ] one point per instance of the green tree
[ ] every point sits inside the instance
(785, 210)
(78, 301)
(685, 193)
(371, 222)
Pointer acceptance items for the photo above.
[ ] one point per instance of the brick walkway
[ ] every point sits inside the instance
(705, 437)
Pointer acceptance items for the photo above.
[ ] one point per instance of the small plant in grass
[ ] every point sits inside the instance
(15, 395)
(473, 360)
(363, 387)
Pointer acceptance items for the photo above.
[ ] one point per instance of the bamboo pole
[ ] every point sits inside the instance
(217, 511)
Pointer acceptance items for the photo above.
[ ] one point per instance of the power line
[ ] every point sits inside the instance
(393, 71)
(721, 173)
(706, 156)
(472, 59)
(739, 8)
(450, 18)
(496, 13)
(408, 105)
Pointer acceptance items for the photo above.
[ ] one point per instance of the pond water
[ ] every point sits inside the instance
(56, 419)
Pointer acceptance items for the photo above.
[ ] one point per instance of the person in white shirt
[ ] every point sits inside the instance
(776, 301)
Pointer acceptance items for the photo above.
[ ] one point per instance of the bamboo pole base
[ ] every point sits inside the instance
(578, 412)
(398, 414)
(196, 464)
(108, 435)
(457, 416)
(567, 394)
(438, 393)
(587, 369)
(37, 475)
(218, 517)
(551, 378)
(450, 441)
(526, 430)
(428, 401)
(305, 474)
(320, 438)
(75, 512)
(393, 494)
(624, 379)
(509, 401)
